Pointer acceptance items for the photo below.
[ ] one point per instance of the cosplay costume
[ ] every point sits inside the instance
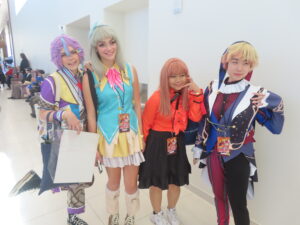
(162, 166)
(225, 140)
(120, 143)
(70, 98)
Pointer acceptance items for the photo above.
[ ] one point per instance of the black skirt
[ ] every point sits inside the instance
(161, 169)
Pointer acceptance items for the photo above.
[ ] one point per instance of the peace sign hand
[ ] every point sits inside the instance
(192, 86)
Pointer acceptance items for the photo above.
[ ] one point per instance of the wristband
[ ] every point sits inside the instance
(196, 93)
(58, 115)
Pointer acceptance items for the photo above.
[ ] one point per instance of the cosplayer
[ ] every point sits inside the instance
(112, 100)
(225, 140)
(165, 117)
(61, 100)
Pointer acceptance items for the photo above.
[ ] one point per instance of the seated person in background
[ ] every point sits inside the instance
(35, 88)
(19, 88)
(27, 76)
(9, 76)
(2, 79)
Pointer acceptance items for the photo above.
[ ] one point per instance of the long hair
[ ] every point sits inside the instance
(58, 43)
(97, 34)
(173, 66)
(23, 56)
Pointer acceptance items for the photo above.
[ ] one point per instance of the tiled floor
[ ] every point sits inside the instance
(19, 152)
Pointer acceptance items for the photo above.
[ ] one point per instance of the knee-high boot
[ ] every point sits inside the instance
(132, 203)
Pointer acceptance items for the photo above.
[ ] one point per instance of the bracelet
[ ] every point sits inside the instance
(58, 115)
(197, 94)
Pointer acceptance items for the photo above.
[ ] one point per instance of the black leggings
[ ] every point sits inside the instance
(236, 173)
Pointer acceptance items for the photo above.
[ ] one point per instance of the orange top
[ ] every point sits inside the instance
(177, 121)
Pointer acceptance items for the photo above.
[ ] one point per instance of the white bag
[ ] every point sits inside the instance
(74, 160)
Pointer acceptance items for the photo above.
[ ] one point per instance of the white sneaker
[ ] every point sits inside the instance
(172, 217)
(159, 219)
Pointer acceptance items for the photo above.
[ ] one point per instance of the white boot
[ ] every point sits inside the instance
(133, 205)
(112, 205)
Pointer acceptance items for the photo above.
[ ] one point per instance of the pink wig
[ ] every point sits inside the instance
(173, 66)
(62, 42)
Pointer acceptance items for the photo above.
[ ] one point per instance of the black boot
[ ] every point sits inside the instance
(30, 181)
(74, 220)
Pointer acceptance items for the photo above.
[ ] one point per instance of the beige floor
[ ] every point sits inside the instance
(19, 152)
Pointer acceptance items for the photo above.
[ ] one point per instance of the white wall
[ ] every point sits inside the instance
(136, 41)
(37, 24)
(199, 35)
(132, 29)
(81, 35)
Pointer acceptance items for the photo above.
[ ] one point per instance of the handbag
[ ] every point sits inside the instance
(47, 182)
(49, 148)
(190, 132)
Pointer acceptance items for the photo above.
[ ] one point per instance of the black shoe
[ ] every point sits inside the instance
(32, 115)
(74, 220)
(11, 98)
(29, 182)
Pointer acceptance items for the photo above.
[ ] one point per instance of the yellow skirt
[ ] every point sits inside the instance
(123, 144)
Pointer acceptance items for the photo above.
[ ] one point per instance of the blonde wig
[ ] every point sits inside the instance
(97, 34)
(243, 49)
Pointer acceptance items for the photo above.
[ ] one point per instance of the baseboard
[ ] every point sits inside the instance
(208, 198)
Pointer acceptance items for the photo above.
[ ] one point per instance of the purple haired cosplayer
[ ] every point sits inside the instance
(63, 41)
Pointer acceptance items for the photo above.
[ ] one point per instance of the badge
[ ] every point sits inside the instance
(171, 145)
(223, 145)
(124, 122)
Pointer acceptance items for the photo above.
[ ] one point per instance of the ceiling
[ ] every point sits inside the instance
(128, 5)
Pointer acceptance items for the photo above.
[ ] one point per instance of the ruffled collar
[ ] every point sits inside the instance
(235, 87)
(123, 76)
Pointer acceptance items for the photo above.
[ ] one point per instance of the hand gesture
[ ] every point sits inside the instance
(72, 121)
(257, 99)
(192, 86)
(88, 66)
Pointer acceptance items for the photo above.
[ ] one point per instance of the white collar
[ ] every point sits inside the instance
(233, 88)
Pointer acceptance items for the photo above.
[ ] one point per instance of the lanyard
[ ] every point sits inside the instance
(121, 97)
(73, 80)
(177, 98)
(70, 76)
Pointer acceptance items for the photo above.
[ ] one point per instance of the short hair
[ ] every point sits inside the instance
(243, 48)
(97, 34)
(172, 66)
(58, 43)
(41, 71)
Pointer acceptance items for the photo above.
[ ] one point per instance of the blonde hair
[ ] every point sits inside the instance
(99, 33)
(172, 66)
(243, 49)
